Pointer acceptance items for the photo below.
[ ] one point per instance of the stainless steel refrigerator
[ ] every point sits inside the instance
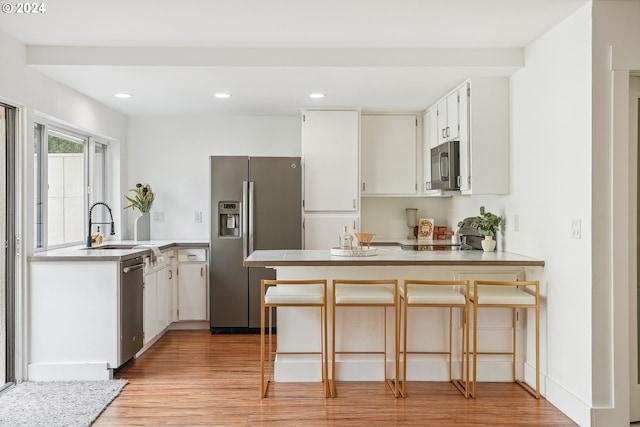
(255, 204)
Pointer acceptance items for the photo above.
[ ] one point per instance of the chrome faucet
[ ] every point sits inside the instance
(113, 228)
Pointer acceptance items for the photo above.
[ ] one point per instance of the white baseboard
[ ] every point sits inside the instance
(571, 405)
(69, 371)
(290, 368)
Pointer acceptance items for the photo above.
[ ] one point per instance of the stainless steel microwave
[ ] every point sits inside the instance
(445, 166)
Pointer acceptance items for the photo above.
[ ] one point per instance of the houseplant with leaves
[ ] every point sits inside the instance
(488, 225)
(142, 200)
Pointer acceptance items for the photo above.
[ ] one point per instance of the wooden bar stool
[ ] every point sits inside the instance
(293, 293)
(445, 294)
(513, 295)
(367, 293)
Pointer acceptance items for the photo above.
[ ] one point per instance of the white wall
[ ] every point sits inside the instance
(551, 186)
(172, 154)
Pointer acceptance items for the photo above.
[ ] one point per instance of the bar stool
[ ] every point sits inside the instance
(293, 293)
(445, 294)
(367, 293)
(513, 295)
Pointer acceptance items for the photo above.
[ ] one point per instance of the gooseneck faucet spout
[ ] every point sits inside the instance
(113, 228)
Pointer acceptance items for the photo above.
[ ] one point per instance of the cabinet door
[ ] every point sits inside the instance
(465, 160)
(330, 150)
(441, 108)
(192, 291)
(453, 124)
(163, 299)
(322, 231)
(150, 308)
(389, 154)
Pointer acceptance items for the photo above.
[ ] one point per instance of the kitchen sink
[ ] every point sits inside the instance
(110, 247)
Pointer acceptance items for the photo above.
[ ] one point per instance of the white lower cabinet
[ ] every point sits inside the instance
(149, 305)
(158, 295)
(192, 284)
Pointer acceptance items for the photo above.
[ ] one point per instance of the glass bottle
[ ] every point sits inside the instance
(346, 239)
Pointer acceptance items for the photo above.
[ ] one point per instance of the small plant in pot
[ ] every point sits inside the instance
(488, 225)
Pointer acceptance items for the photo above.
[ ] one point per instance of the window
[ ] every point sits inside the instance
(70, 171)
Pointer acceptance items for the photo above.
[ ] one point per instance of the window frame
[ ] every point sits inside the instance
(43, 128)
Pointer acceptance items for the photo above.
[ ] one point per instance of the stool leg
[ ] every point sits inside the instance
(404, 347)
(475, 348)
(263, 389)
(333, 349)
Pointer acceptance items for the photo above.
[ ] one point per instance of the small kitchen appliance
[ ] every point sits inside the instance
(445, 166)
(470, 237)
(412, 222)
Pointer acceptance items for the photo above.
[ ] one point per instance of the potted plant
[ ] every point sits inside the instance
(142, 200)
(488, 225)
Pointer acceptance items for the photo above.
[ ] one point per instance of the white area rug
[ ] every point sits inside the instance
(57, 403)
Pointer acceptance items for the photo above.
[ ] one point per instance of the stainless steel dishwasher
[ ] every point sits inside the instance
(131, 305)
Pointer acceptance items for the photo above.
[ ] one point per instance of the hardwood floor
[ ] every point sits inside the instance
(193, 378)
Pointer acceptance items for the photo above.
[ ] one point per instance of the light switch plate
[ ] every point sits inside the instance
(576, 229)
(158, 216)
(197, 216)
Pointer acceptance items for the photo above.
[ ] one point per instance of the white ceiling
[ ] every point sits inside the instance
(378, 55)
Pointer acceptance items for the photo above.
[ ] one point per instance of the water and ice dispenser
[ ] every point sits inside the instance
(229, 219)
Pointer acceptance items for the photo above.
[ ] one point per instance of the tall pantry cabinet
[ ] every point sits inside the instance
(330, 158)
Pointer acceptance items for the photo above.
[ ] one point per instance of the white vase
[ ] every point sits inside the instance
(142, 227)
(488, 244)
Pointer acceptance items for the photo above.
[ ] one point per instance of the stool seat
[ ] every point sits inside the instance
(283, 295)
(371, 294)
(434, 295)
(503, 295)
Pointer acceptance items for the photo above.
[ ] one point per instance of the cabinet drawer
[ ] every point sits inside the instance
(168, 256)
(192, 254)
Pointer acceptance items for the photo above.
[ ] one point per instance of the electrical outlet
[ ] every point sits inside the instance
(197, 216)
(516, 223)
(158, 216)
(576, 229)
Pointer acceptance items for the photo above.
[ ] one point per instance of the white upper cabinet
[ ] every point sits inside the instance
(389, 154)
(484, 136)
(330, 152)
(448, 117)
(429, 141)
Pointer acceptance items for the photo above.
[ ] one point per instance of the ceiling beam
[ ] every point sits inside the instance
(276, 57)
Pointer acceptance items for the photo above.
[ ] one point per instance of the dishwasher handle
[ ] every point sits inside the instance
(132, 268)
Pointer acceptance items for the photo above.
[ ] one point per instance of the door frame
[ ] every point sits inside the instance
(13, 259)
(634, 288)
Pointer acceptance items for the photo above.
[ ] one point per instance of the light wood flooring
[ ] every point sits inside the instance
(193, 378)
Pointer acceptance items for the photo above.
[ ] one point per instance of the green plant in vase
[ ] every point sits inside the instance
(488, 225)
(141, 200)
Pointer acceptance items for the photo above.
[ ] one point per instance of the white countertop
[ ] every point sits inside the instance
(82, 253)
(386, 256)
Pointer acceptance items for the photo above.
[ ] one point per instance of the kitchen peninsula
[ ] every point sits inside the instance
(298, 326)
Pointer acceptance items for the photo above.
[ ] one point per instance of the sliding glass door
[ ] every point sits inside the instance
(7, 236)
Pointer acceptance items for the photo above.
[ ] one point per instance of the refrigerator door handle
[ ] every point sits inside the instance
(250, 215)
(245, 222)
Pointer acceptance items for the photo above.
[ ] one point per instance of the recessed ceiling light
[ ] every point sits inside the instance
(123, 95)
(317, 95)
(222, 95)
